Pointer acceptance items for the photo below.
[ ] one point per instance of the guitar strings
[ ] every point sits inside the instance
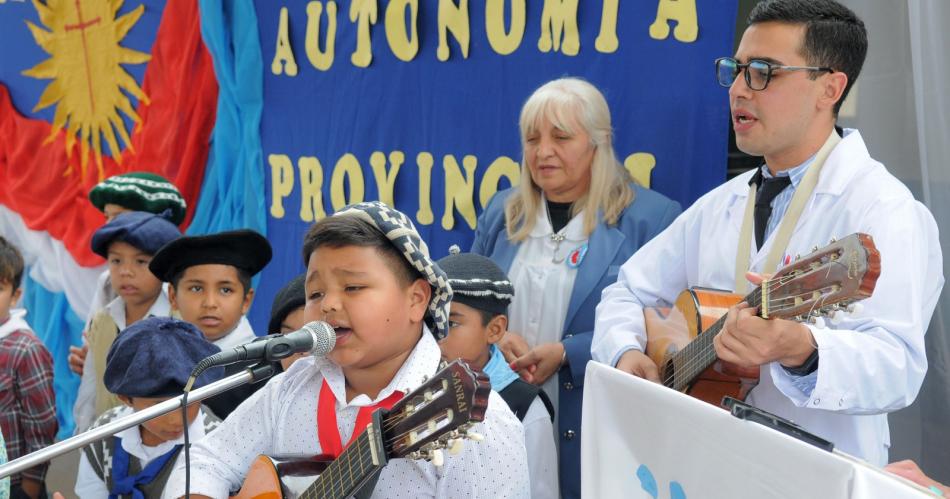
(701, 360)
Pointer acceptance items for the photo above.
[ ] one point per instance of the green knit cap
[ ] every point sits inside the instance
(140, 191)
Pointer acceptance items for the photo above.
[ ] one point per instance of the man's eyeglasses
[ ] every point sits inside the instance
(757, 73)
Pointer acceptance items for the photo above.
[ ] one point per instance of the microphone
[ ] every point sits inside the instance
(315, 338)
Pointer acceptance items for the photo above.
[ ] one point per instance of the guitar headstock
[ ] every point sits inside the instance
(438, 414)
(824, 281)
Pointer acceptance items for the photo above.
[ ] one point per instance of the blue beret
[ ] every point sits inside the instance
(154, 357)
(146, 231)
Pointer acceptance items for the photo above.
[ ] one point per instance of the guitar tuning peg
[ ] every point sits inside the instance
(837, 317)
(475, 437)
(436, 457)
(819, 322)
(855, 308)
(455, 446)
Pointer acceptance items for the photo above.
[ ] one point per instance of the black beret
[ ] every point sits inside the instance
(245, 249)
(146, 231)
(289, 298)
(477, 282)
(154, 357)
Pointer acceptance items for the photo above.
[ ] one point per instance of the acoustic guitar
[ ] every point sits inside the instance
(437, 415)
(680, 339)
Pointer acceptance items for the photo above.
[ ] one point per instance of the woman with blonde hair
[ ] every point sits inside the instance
(561, 236)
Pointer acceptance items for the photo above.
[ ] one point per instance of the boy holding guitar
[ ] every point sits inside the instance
(370, 277)
(794, 66)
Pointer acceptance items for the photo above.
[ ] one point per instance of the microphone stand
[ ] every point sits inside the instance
(252, 374)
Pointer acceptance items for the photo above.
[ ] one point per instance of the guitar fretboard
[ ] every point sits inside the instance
(347, 473)
(700, 353)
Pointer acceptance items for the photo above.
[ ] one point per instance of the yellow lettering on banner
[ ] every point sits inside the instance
(311, 185)
(504, 42)
(425, 161)
(681, 11)
(459, 190)
(640, 165)
(558, 18)
(453, 18)
(386, 181)
(347, 168)
(607, 41)
(321, 59)
(281, 182)
(363, 13)
(404, 47)
(284, 61)
(501, 167)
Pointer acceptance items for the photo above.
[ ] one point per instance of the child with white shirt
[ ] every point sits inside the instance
(370, 277)
(210, 279)
(149, 362)
(481, 293)
(127, 242)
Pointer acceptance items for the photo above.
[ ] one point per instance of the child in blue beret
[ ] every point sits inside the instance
(127, 243)
(132, 191)
(148, 363)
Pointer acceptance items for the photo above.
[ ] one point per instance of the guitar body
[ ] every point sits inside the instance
(269, 478)
(670, 330)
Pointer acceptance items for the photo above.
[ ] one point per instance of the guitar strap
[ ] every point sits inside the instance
(784, 232)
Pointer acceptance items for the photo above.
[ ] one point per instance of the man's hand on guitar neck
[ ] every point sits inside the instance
(747, 340)
(638, 364)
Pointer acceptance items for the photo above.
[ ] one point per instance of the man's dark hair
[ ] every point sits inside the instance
(341, 231)
(11, 264)
(244, 277)
(834, 36)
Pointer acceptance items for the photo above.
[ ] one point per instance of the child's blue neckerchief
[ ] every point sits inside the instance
(498, 371)
(124, 484)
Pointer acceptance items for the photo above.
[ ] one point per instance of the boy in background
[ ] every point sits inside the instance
(148, 364)
(127, 243)
(286, 314)
(27, 401)
(479, 319)
(133, 191)
(210, 279)
(370, 277)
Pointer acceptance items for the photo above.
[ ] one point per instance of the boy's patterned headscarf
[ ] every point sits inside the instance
(400, 231)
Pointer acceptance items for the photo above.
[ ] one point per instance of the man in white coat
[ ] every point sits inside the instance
(793, 68)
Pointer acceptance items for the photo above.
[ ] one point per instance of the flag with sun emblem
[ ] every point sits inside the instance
(94, 88)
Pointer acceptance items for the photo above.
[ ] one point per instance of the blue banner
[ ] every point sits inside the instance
(416, 103)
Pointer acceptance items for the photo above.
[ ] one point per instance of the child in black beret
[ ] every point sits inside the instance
(148, 363)
(286, 314)
(481, 293)
(210, 279)
(127, 243)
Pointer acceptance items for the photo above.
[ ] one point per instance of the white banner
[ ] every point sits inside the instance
(642, 440)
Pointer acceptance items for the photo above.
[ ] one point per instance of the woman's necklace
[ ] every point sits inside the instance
(557, 238)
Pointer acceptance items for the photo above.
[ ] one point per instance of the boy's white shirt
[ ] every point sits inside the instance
(240, 335)
(88, 483)
(542, 452)
(84, 410)
(16, 322)
(280, 420)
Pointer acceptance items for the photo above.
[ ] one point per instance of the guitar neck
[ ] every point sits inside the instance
(358, 464)
(699, 354)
